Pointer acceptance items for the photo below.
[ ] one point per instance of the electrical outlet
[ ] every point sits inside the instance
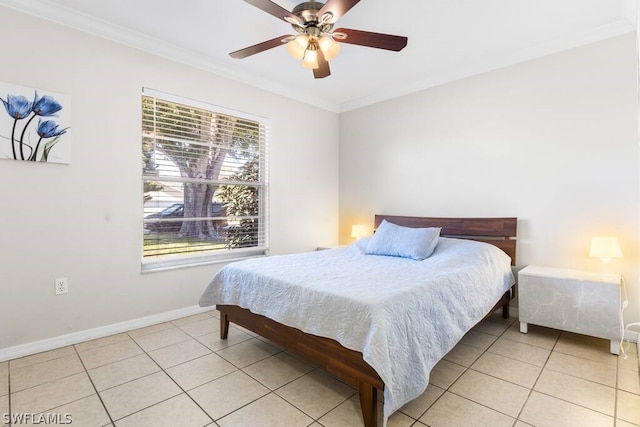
(62, 286)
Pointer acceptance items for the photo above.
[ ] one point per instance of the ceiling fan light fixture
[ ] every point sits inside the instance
(330, 48)
(298, 46)
(310, 59)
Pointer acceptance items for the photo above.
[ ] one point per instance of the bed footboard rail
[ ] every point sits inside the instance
(346, 364)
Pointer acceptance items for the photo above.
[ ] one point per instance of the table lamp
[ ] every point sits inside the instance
(605, 248)
(360, 230)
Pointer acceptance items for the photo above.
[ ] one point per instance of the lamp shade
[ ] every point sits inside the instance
(360, 230)
(605, 248)
(330, 49)
(310, 59)
(298, 46)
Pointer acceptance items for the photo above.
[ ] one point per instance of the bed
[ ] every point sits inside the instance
(343, 319)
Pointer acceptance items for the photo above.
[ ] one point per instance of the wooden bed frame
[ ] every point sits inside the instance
(349, 365)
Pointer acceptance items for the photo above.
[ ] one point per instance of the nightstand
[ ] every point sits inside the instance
(324, 248)
(570, 300)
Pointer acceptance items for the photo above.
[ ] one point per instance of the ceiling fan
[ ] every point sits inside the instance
(315, 44)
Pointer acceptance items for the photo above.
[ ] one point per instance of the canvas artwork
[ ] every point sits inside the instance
(34, 125)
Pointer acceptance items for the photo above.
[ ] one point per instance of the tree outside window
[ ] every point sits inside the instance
(204, 180)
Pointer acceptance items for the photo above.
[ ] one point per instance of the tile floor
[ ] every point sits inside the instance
(181, 374)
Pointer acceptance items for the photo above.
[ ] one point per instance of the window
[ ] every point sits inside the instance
(204, 180)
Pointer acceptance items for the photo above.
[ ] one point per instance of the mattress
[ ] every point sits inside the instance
(402, 315)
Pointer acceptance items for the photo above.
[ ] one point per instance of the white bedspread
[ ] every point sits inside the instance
(403, 315)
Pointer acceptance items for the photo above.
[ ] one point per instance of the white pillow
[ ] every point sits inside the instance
(406, 242)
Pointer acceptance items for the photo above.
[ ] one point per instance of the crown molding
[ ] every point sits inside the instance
(72, 18)
(620, 27)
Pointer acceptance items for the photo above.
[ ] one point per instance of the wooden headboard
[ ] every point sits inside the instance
(500, 232)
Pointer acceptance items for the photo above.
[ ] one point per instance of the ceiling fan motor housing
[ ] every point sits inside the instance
(308, 13)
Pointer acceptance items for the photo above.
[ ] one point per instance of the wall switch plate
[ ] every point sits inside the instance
(62, 286)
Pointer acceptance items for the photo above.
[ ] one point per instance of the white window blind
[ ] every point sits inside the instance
(205, 182)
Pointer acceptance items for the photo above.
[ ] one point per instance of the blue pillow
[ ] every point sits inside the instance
(406, 242)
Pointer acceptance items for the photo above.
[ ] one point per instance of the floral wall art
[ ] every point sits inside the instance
(34, 125)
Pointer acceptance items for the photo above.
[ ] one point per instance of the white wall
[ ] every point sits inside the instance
(84, 220)
(552, 141)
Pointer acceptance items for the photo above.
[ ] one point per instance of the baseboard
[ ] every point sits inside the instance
(90, 334)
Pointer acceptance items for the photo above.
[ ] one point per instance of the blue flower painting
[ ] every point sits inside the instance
(22, 137)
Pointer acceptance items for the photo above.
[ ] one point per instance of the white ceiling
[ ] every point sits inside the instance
(448, 39)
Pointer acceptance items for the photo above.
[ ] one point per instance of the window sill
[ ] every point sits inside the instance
(153, 266)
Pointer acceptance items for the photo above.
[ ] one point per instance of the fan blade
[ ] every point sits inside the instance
(260, 47)
(377, 40)
(273, 9)
(323, 67)
(337, 8)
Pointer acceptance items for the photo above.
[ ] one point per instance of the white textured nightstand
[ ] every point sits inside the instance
(324, 248)
(570, 300)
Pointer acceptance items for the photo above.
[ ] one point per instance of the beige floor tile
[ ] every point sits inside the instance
(316, 393)
(247, 352)
(51, 370)
(576, 390)
(268, 411)
(630, 363)
(4, 378)
(278, 370)
(139, 394)
(136, 333)
(512, 370)
(596, 349)
(200, 371)
(191, 319)
(538, 336)
(523, 352)
(603, 373)
(177, 411)
(226, 394)
(522, 424)
(4, 410)
(245, 330)
(492, 392)
(463, 354)
(213, 341)
(621, 423)
(452, 410)
(478, 340)
(88, 411)
(109, 354)
(52, 394)
(178, 353)
(202, 327)
(161, 339)
(629, 381)
(419, 405)
(494, 325)
(628, 407)
(41, 357)
(445, 373)
(349, 414)
(113, 374)
(547, 411)
(101, 342)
